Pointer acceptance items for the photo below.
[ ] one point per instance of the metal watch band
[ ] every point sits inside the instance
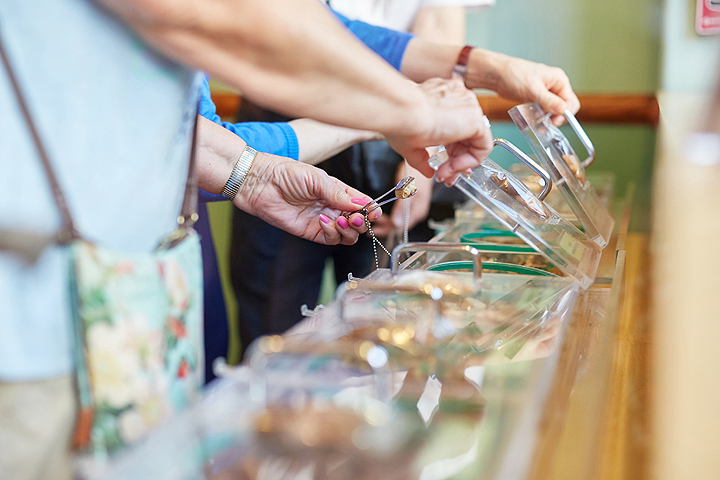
(461, 64)
(237, 177)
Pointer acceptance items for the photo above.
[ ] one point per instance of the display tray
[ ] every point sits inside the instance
(567, 171)
(513, 204)
(602, 182)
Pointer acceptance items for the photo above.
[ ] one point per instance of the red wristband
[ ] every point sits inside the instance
(461, 64)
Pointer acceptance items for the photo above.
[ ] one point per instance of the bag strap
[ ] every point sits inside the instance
(188, 212)
(68, 231)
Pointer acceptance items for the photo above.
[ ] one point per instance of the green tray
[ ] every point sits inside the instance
(478, 240)
(495, 266)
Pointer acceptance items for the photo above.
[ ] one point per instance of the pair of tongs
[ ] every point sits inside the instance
(405, 188)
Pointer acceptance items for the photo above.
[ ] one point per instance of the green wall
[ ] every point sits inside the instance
(608, 46)
(689, 60)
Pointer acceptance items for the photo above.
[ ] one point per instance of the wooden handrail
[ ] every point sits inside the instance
(595, 108)
(639, 109)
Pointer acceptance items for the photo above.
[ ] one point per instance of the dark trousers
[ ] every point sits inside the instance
(216, 329)
(275, 273)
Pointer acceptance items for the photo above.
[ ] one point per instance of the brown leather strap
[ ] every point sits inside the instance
(461, 63)
(68, 231)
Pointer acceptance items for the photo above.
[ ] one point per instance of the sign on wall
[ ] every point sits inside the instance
(707, 19)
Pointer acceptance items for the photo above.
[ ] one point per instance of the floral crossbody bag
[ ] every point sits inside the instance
(137, 320)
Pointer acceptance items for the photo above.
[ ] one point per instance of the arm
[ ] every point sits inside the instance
(299, 198)
(440, 32)
(303, 139)
(510, 77)
(320, 141)
(427, 55)
(440, 25)
(253, 46)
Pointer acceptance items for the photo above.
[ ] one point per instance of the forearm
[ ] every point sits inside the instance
(237, 42)
(424, 59)
(440, 24)
(216, 153)
(319, 141)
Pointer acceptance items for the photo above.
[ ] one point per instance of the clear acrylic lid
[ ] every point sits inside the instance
(566, 169)
(512, 318)
(514, 205)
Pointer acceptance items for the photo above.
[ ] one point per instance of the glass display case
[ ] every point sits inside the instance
(456, 363)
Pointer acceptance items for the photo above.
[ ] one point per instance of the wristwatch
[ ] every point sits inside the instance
(237, 177)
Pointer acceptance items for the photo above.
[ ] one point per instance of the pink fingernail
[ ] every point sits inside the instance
(324, 219)
(342, 222)
(358, 221)
(359, 201)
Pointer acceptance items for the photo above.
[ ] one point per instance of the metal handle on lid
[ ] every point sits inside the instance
(584, 139)
(529, 162)
(473, 252)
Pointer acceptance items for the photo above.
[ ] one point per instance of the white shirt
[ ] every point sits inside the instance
(395, 14)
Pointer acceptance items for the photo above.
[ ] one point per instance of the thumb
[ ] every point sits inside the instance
(334, 192)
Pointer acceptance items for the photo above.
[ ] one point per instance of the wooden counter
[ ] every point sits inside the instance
(685, 301)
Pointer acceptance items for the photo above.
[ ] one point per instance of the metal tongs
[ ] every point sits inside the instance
(405, 188)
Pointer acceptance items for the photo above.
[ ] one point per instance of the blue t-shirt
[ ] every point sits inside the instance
(389, 44)
(89, 83)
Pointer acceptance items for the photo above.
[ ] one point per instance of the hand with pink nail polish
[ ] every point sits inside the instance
(303, 200)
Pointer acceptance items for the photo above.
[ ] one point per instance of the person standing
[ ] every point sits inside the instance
(133, 64)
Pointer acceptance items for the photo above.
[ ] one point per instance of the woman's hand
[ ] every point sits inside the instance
(523, 81)
(302, 200)
(456, 121)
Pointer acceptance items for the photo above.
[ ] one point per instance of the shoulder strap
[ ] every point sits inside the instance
(68, 231)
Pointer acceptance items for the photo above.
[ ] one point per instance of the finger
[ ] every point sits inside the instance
(565, 91)
(340, 196)
(572, 103)
(332, 235)
(357, 223)
(558, 120)
(348, 236)
(551, 103)
(419, 160)
(460, 163)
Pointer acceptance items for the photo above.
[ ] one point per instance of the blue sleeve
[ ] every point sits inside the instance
(275, 138)
(389, 44)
